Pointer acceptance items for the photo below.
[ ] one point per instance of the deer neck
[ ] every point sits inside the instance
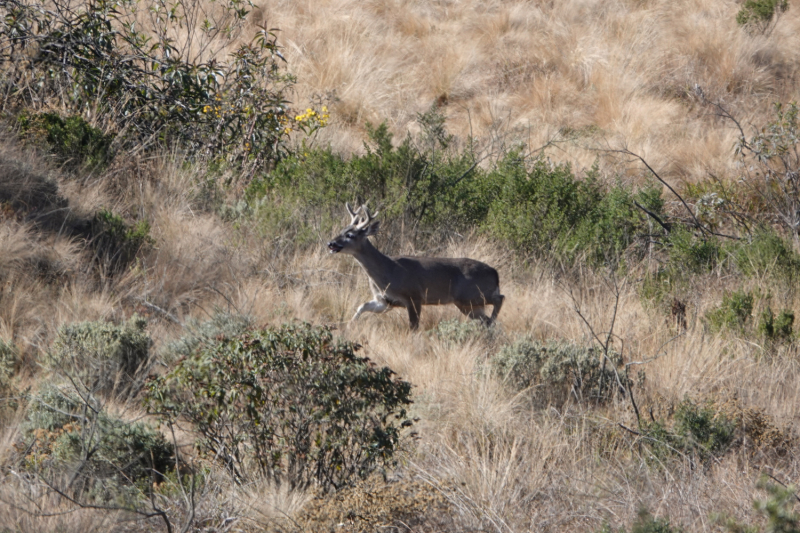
(379, 267)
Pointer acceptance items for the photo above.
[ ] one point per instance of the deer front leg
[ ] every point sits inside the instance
(373, 306)
(414, 309)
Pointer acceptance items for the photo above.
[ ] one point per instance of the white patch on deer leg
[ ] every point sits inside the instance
(373, 306)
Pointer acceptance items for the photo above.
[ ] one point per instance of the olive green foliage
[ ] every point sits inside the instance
(692, 253)
(646, 523)
(99, 57)
(554, 371)
(8, 363)
(733, 313)
(116, 242)
(687, 255)
(293, 405)
(102, 356)
(430, 185)
(66, 432)
(759, 13)
(776, 328)
(426, 182)
(699, 431)
(771, 170)
(766, 255)
(75, 143)
(457, 332)
(763, 255)
(201, 333)
(703, 429)
(543, 208)
(779, 509)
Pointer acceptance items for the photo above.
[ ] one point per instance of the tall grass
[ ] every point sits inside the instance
(575, 73)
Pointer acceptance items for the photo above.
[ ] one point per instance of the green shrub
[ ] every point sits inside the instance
(778, 509)
(425, 183)
(555, 370)
(538, 207)
(759, 13)
(196, 334)
(690, 253)
(544, 209)
(75, 143)
(291, 404)
(776, 328)
(115, 242)
(97, 57)
(645, 523)
(767, 255)
(430, 186)
(104, 357)
(770, 161)
(699, 431)
(458, 332)
(703, 429)
(8, 363)
(734, 312)
(64, 432)
(9, 359)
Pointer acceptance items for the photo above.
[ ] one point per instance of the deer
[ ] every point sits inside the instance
(412, 282)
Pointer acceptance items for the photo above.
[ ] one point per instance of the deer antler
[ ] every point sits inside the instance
(354, 214)
(367, 219)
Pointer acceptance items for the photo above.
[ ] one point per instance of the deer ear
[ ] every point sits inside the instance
(374, 228)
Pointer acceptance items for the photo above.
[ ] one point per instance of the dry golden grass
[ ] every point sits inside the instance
(622, 72)
(497, 463)
(592, 74)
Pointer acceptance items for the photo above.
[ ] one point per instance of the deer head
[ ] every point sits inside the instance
(352, 238)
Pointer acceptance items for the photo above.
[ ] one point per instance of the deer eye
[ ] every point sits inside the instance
(351, 236)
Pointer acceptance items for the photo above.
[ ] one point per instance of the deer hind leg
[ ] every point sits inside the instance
(373, 306)
(497, 303)
(414, 309)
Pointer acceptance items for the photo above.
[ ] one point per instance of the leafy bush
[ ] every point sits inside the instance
(425, 184)
(9, 358)
(734, 312)
(101, 58)
(72, 139)
(703, 429)
(544, 208)
(289, 404)
(767, 255)
(556, 370)
(759, 13)
(646, 523)
(457, 332)
(699, 431)
(198, 333)
(690, 253)
(429, 185)
(771, 170)
(104, 357)
(778, 508)
(66, 432)
(776, 328)
(8, 362)
(115, 242)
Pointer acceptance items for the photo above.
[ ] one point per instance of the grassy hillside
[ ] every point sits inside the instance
(175, 344)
